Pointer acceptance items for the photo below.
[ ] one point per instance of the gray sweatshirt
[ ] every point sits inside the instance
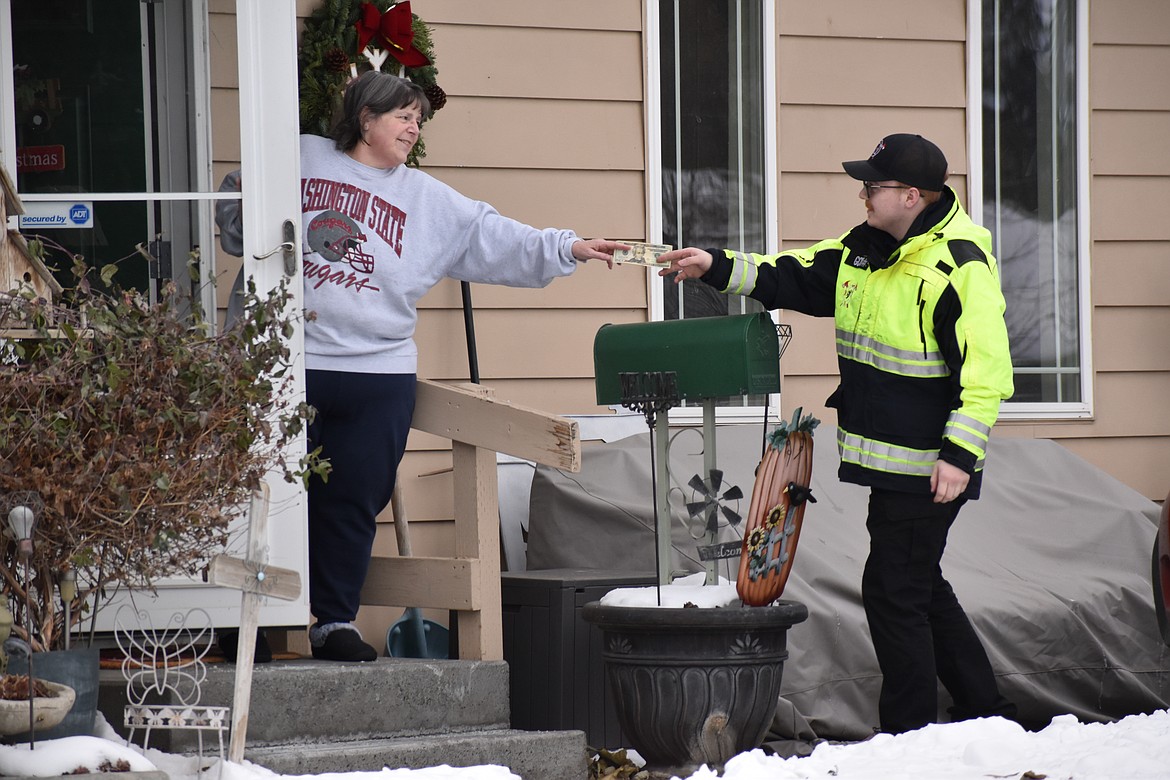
(375, 241)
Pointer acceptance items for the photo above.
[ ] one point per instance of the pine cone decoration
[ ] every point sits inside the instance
(336, 60)
(436, 96)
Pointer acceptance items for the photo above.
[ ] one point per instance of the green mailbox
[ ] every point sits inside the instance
(711, 356)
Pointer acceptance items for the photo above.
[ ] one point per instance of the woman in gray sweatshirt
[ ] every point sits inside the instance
(378, 235)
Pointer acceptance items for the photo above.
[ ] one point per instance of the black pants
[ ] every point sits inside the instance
(361, 426)
(920, 632)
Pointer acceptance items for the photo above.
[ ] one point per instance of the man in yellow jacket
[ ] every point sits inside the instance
(922, 349)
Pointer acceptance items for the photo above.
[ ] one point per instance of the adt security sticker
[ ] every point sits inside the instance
(43, 215)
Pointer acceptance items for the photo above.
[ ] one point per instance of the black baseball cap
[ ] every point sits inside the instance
(904, 157)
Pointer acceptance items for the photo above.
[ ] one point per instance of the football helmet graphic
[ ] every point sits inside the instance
(336, 237)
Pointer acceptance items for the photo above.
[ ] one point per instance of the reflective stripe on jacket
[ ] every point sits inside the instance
(922, 346)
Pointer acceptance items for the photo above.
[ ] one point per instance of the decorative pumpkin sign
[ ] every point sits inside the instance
(779, 498)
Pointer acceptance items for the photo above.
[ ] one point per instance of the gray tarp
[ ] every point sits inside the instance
(1052, 565)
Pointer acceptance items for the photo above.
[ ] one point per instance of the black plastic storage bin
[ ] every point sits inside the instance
(557, 677)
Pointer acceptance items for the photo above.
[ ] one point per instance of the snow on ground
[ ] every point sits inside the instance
(1134, 748)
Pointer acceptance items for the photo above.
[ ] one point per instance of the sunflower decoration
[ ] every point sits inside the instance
(343, 39)
(762, 538)
(779, 499)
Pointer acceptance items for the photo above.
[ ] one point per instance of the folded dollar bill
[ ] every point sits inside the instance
(642, 254)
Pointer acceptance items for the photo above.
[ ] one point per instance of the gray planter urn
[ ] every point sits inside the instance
(694, 686)
(77, 669)
(47, 711)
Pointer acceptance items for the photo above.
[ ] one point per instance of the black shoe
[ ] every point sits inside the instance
(229, 643)
(344, 644)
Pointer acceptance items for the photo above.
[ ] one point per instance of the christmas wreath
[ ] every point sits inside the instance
(343, 38)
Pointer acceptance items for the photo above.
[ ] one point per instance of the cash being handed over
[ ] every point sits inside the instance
(642, 254)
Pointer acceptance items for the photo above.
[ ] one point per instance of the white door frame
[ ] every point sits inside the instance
(270, 153)
(270, 170)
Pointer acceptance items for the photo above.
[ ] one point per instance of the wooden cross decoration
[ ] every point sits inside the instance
(257, 580)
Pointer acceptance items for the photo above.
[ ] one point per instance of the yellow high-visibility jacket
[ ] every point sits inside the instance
(922, 345)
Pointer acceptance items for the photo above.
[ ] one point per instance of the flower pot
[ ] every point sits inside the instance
(47, 711)
(77, 668)
(694, 686)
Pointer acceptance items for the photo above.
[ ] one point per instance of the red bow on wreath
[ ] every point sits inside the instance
(392, 31)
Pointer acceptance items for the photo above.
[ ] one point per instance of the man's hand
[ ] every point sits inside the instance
(686, 263)
(947, 481)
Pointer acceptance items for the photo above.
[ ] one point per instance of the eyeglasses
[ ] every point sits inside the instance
(870, 187)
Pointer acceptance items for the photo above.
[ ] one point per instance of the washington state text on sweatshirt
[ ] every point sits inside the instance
(375, 241)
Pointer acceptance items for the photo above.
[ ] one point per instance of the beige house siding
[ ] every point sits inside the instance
(850, 72)
(841, 87)
(1129, 436)
(545, 121)
(538, 96)
(1131, 248)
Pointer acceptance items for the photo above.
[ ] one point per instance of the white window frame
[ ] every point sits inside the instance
(652, 98)
(7, 87)
(1041, 411)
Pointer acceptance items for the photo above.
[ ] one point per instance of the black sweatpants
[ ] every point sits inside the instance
(361, 426)
(920, 632)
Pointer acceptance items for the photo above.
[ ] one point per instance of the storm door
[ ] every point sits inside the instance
(118, 119)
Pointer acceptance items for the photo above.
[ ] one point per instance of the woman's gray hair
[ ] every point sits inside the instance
(372, 94)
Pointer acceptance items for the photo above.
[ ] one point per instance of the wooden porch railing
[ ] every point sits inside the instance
(478, 426)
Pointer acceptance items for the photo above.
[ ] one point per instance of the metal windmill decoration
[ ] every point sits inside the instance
(710, 504)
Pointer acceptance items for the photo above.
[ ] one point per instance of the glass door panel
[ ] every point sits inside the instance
(123, 118)
(105, 99)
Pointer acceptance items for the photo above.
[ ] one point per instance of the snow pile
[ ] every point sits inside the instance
(1134, 748)
(682, 591)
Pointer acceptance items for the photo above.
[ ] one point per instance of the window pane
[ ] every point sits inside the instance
(1030, 187)
(712, 145)
(712, 140)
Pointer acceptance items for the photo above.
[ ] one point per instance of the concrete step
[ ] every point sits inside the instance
(533, 755)
(306, 700)
(310, 717)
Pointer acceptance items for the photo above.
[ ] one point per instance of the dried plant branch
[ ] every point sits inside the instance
(143, 432)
